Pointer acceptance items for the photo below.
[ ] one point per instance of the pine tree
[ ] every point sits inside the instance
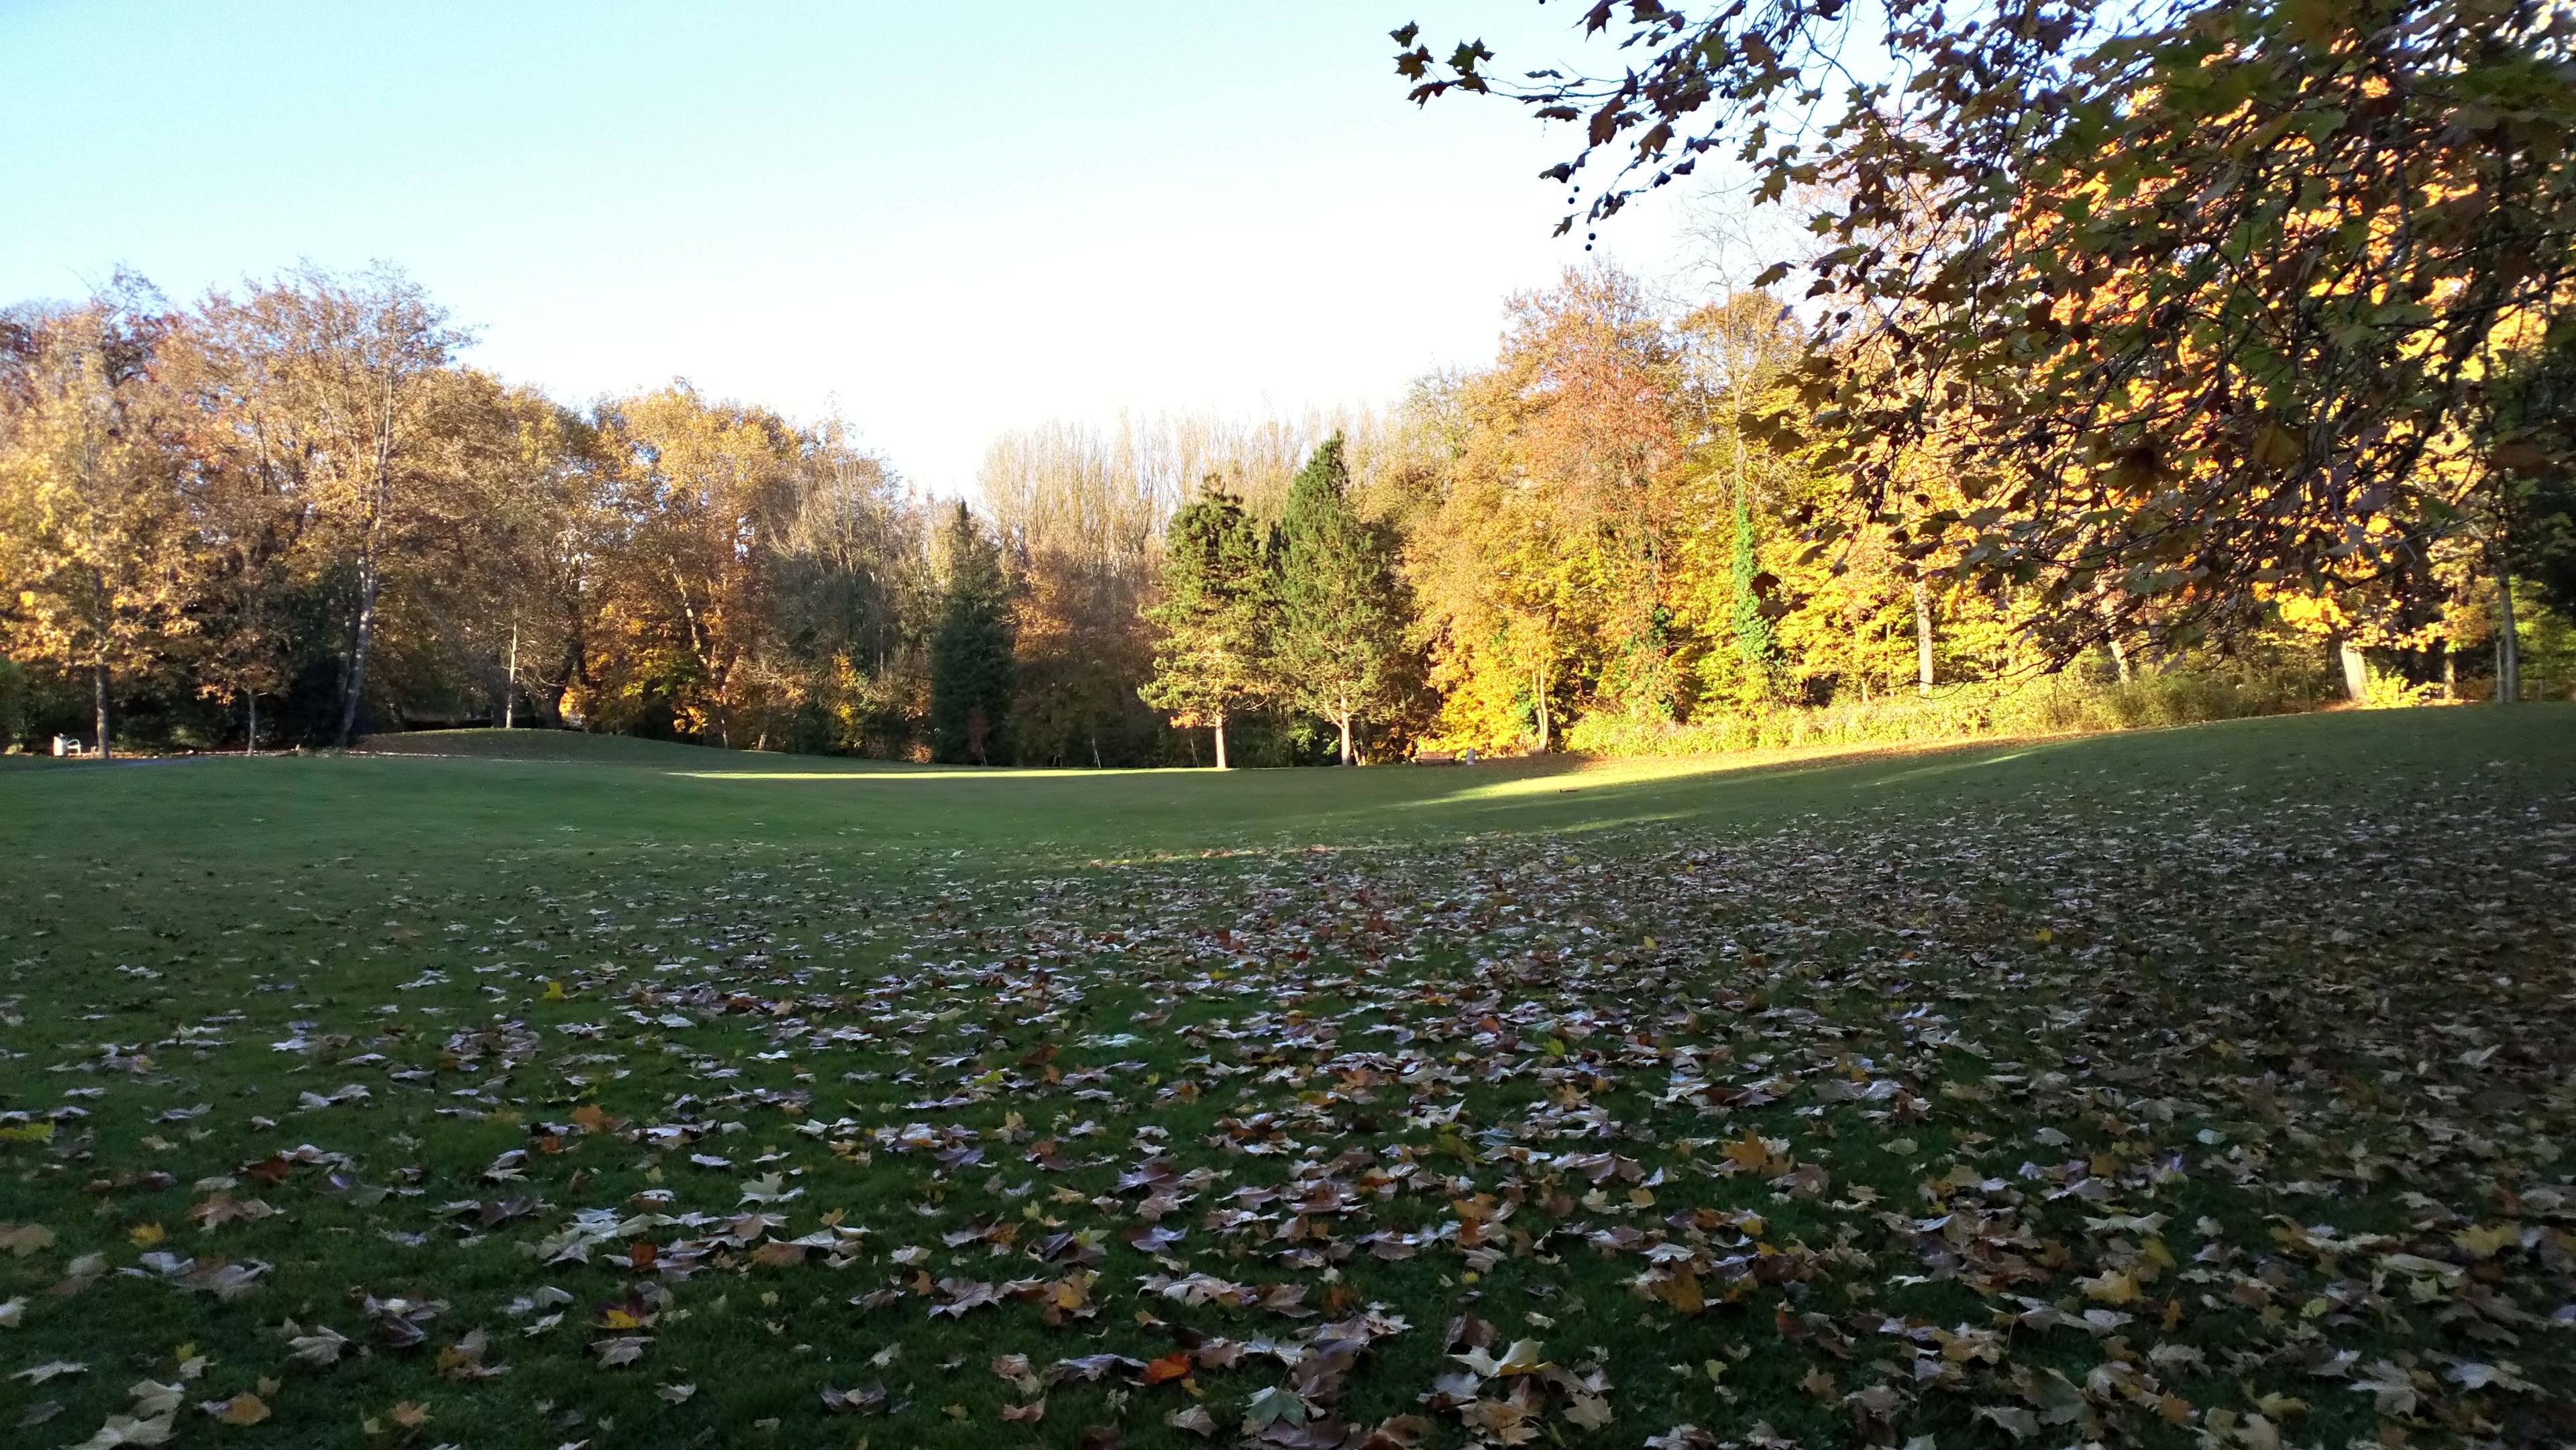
(1342, 611)
(970, 657)
(1211, 654)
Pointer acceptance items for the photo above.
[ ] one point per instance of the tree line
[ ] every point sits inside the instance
(291, 514)
(2182, 317)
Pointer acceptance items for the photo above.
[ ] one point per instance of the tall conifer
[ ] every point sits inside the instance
(1342, 612)
(1212, 651)
(970, 657)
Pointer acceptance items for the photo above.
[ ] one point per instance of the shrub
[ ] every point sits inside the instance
(2049, 705)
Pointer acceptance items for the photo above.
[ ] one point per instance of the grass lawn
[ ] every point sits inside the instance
(2207, 1086)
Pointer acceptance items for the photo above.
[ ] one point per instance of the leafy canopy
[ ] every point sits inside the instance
(2195, 297)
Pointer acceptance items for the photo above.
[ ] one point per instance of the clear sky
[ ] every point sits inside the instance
(937, 220)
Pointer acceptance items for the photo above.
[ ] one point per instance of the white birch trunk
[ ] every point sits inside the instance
(99, 687)
(1922, 640)
(2508, 648)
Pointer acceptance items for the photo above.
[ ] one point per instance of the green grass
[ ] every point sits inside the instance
(1861, 1078)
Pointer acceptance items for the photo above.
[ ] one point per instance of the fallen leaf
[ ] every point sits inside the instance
(241, 1409)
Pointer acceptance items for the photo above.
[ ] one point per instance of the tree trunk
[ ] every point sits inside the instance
(1922, 640)
(2450, 671)
(1220, 742)
(2508, 648)
(98, 681)
(2119, 658)
(354, 684)
(1347, 757)
(510, 682)
(1540, 676)
(250, 705)
(1860, 657)
(1095, 747)
(2356, 670)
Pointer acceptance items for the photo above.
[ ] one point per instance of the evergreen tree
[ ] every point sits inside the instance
(1211, 652)
(1342, 610)
(970, 656)
(1755, 645)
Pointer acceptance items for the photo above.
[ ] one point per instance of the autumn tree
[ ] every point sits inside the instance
(1213, 624)
(253, 513)
(347, 370)
(2213, 282)
(1739, 348)
(542, 545)
(851, 595)
(970, 658)
(1339, 646)
(93, 541)
(704, 488)
(343, 519)
(1078, 514)
(1546, 573)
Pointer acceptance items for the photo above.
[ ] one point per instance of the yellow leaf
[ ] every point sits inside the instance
(2113, 1288)
(145, 1235)
(1755, 1155)
(2278, 1407)
(2486, 1243)
(1682, 1291)
(243, 1409)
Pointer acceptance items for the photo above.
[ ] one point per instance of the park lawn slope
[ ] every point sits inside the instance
(2195, 1083)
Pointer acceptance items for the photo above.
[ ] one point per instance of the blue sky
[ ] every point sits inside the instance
(938, 220)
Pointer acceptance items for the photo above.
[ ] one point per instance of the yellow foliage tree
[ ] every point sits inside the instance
(93, 544)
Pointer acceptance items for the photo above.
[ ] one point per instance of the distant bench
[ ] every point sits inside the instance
(1445, 757)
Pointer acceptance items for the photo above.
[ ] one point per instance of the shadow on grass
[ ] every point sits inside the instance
(1185, 809)
(475, 796)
